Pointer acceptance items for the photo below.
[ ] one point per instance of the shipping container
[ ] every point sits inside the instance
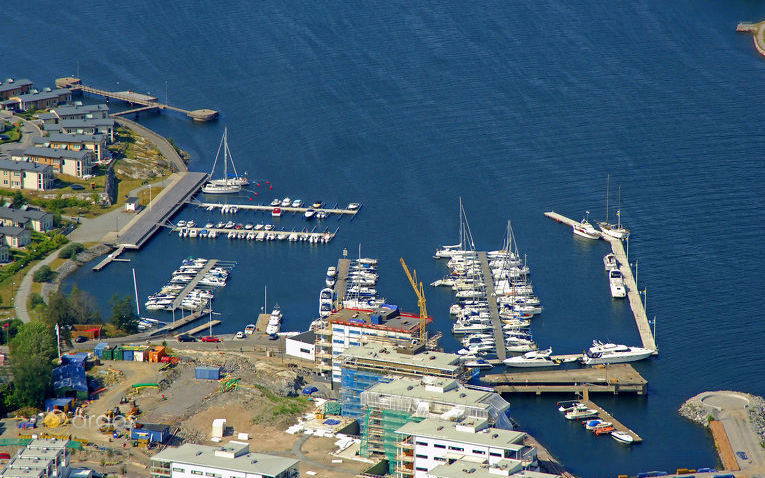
(107, 354)
(138, 356)
(151, 432)
(207, 373)
(127, 355)
(99, 350)
(118, 353)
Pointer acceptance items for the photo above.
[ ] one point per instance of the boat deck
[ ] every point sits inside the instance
(193, 284)
(491, 298)
(633, 293)
(613, 378)
(604, 415)
(269, 208)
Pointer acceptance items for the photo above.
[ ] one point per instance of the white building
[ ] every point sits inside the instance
(302, 346)
(473, 469)
(432, 442)
(232, 460)
(40, 459)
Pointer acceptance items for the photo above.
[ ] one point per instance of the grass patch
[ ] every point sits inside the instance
(13, 133)
(143, 196)
(280, 407)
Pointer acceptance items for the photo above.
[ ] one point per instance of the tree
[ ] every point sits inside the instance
(83, 307)
(123, 314)
(32, 354)
(17, 200)
(43, 274)
(59, 312)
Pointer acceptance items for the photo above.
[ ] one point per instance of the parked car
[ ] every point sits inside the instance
(239, 335)
(210, 338)
(80, 339)
(186, 338)
(77, 187)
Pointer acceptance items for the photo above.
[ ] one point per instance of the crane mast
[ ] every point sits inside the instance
(419, 291)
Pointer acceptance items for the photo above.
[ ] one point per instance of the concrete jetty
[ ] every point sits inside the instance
(605, 416)
(614, 378)
(633, 293)
(491, 298)
(203, 327)
(131, 97)
(193, 284)
(758, 29)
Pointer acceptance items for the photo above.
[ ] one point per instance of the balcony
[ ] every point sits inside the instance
(405, 444)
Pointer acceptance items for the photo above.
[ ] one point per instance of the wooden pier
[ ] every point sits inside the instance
(615, 378)
(341, 281)
(491, 298)
(269, 208)
(148, 102)
(182, 322)
(605, 416)
(193, 284)
(324, 237)
(203, 327)
(633, 293)
(108, 259)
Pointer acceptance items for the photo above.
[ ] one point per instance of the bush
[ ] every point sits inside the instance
(35, 299)
(71, 250)
(43, 274)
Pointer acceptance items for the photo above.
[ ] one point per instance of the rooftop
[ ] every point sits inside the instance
(9, 164)
(387, 354)
(305, 337)
(404, 322)
(69, 138)
(6, 85)
(55, 153)
(247, 462)
(86, 122)
(12, 231)
(70, 110)
(493, 437)
(21, 215)
(463, 468)
(43, 95)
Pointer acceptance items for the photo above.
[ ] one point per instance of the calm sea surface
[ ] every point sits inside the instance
(518, 107)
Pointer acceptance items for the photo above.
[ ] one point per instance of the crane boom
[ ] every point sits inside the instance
(419, 291)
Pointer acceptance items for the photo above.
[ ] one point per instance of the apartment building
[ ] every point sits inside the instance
(25, 175)
(232, 460)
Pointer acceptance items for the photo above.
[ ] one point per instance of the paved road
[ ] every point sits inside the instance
(29, 131)
(25, 288)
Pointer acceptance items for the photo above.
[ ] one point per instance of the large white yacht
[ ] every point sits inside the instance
(536, 358)
(585, 229)
(613, 353)
(616, 282)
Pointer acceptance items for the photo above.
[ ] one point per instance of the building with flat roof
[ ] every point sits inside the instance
(387, 406)
(63, 161)
(473, 469)
(33, 219)
(352, 327)
(37, 100)
(11, 87)
(25, 175)
(422, 446)
(301, 346)
(75, 142)
(232, 460)
(41, 458)
(365, 365)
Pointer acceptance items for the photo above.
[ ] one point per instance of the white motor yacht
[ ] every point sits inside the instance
(609, 261)
(622, 437)
(286, 202)
(537, 358)
(601, 353)
(309, 213)
(616, 283)
(580, 413)
(585, 229)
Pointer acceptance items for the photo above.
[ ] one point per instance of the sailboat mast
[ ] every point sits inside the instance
(619, 210)
(608, 180)
(225, 155)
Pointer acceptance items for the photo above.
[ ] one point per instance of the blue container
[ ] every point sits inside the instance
(207, 373)
(127, 355)
(99, 350)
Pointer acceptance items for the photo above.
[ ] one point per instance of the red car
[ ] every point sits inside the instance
(210, 338)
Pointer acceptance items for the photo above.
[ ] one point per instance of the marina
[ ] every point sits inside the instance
(177, 324)
(311, 236)
(616, 378)
(343, 266)
(233, 208)
(491, 298)
(193, 284)
(633, 293)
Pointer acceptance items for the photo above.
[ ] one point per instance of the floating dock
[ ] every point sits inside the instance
(140, 229)
(605, 416)
(491, 298)
(193, 284)
(182, 322)
(633, 293)
(615, 378)
(268, 208)
(203, 327)
(341, 281)
(108, 259)
(148, 102)
(324, 237)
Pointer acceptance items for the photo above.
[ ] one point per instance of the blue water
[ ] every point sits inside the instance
(518, 107)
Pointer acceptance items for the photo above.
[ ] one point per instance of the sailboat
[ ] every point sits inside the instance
(614, 230)
(225, 185)
(464, 236)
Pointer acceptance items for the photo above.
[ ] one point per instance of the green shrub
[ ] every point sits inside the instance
(71, 250)
(43, 274)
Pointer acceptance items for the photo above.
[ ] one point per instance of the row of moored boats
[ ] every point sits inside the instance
(589, 418)
(360, 287)
(200, 296)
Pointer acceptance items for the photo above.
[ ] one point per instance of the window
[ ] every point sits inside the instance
(439, 446)
(421, 468)
(303, 351)
(214, 475)
(479, 452)
(196, 472)
(439, 458)
(422, 443)
(456, 448)
(181, 470)
(492, 453)
(424, 457)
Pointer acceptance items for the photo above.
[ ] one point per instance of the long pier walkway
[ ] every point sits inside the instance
(614, 378)
(193, 284)
(633, 293)
(267, 208)
(491, 298)
(203, 327)
(343, 266)
(605, 416)
(177, 324)
(149, 102)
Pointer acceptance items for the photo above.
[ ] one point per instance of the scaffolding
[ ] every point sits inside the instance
(353, 383)
(378, 433)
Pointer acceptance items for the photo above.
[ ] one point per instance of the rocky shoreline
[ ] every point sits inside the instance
(694, 410)
(72, 265)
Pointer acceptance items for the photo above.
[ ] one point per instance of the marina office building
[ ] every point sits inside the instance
(353, 327)
(232, 460)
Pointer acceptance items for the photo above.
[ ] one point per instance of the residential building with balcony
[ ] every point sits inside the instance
(25, 175)
(63, 161)
(75, 142)
(11, 87)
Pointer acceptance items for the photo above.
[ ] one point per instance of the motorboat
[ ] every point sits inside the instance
(248, 226)
(568, 406)
(603, 430)
(595, 423)
(601, 353)
(616, 283)
(317, 204)
(297, 203)
(622, 437)
(354, 206)
(478, 363)
(609, 262)
(536, 358)
(286, 202)
(586, 230)
(181, 223)
(309, 213)
(268, 227)
(581, 413)
(321, 215)
(276, 202)
(277, 212)
(209, 225)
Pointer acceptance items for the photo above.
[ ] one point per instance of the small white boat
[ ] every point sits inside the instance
(622, 437)
(609, 262)
(309, 213)
(276, 202)
(293, 237)
(581, 413)
(181, 223)
(478, 363)
(250, 329)
(297, 203)
(616, 283)
(585, 229)
(286, 202)
(268, 227)
(354, 206)
(317, 204)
